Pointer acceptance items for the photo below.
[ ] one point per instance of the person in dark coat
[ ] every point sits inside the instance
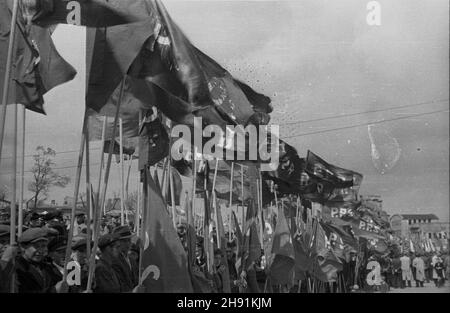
(106, 278)
(231, 259)
(122, 264)
(33, 273)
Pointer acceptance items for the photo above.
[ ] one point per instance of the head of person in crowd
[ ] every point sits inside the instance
(57, 250)
(231, 251)
(33, 244)
(36, 220)
(79, 249)
(80, 218)
(217, 257)
(135, 249)
(199, 253)
(124, 235)
(109, 246)
(4, 237)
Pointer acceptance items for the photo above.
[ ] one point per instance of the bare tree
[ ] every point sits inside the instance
(44, 176)
(4, 191)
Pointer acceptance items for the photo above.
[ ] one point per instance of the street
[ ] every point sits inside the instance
(428, 288)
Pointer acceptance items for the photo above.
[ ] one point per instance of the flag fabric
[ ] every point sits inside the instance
(252, 247)
(178, 187)
(164, 260)
(320, 169)
(153, 142)
(220, 230)
(342, 242)
(239, 242)
(37, 67)
(197, 85)
(91, 13)
(282, 267)
(109, 55)
(325, 263)
(200, 283)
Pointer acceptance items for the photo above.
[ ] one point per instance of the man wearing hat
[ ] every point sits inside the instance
(106, 278)
(79, 250)
(123, 265)
(79, 225)
(33, 274)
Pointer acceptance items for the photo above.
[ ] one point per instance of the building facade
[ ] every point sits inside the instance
(421, 226)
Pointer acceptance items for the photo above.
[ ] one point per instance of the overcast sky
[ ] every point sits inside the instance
(322, 65)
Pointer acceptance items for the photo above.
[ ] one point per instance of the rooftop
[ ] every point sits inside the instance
(419, 217)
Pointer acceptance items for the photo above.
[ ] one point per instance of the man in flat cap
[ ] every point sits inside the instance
(106, 278)
(34, 275)
(79, 253)
(123, 265)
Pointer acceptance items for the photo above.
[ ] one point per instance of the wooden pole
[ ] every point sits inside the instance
(89, 212)
(194, 184)
(14, 181)
(242, 197)
(138, 203)
(75, 197)
(104, 188)
(102, 164)
(163, 182)
(22, 175)
(122, 193)
(145, 204)
(214, 203)
(230, 201)
(7, 81)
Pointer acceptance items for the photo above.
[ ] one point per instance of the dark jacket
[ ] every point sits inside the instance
(6, 271)
(106, 279)
(36, 278)
(125, 273)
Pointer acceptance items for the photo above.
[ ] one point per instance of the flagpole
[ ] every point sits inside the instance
(102, 163)
(75, 197)
(231, 201)
(130, 162)
(22, 175)
(194, 181)
(12, 219)
(172, 195)
(138, 203)
(242, 197)
(145, 203)
(163, 179)
(7, 81)
(258, 213)
(122, 204)
(105, 186)
(214, 203)
(89, 212)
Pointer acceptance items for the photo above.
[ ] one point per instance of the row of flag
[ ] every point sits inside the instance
(139, 59)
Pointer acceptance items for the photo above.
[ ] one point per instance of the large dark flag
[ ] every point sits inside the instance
(223, 244)
(282, 267)
(200, 283)
(164, 260)
(92, 13)
(326, 264)
(322, 170)
(251, 251)
(37, 66)
(178, 187)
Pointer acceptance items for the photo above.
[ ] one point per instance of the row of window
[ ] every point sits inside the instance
(416, 221)
(440, 235)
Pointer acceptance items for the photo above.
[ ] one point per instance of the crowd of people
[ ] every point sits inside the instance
(36, 263)
(401, 271)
